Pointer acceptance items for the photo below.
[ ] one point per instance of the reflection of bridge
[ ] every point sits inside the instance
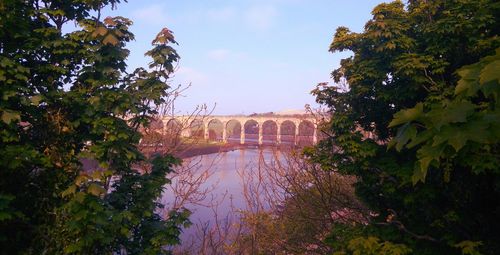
(274, 129)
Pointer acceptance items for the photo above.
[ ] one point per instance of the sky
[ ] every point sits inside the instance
(245, 56)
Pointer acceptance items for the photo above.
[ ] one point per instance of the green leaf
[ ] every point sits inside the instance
(97, 175)
(420, 173)
(125, 231)
(80, 180)
(36, 99)
(455, 136)
(491, 72)
(407, 115)
(110, 39)
(6, 212)
(457, 141)
(454, 112)
(458, 111)
(96, 189)
(72, 248)
(468, 84)
(405, 133)
(101, 30)
(469, 247)
(5, 216)
(9, 94)
(69, 191)
(80, 197)
(420, 138)
(8, 116)
(110, 21)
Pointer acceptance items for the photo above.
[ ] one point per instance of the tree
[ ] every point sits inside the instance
(67, 97)
(423, 79)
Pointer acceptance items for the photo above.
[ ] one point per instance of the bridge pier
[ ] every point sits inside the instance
(242, 135)
(260, 134)
(278, 134)
(206, 133)
(296, 137)
(224, 132)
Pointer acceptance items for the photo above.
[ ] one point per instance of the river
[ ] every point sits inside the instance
(220, 193)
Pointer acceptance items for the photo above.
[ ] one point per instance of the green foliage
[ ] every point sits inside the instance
(65, 99)
(461, 126)
(423, 79)
(373, 246)
(468, 247)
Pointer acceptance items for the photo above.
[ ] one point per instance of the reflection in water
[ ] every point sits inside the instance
(223, 184)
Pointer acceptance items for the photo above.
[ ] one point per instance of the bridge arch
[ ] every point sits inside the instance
(173, 127)
(287, 132)
(156, 125)
(306, 133)
(251, 132)
(215, 130)
(197, 129)
(233, 131)
(269, 132)
(152, 135)
(172, 132)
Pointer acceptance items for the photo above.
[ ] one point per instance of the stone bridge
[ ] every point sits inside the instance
(259, 129)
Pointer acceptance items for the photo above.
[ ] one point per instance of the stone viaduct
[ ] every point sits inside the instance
(258, 129)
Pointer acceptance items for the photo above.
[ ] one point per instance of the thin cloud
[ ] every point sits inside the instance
(152, 14)
(186, 75)
(261, 17)
(219, 54)
(221, 14)
(224, 54)
(200, 15)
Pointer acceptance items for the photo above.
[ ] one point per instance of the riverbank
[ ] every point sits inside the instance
(205, 149)
(190, 149)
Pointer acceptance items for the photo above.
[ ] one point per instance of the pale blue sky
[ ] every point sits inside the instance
(247, 55)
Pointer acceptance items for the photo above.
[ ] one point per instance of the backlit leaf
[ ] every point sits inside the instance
(490, 72)
(455, 112)
(9, 116)
(110, 39)
(36, 99)
(468, 84)
(405, 133)
(407, 115)
(110, 21)
(101, 30)
(69, 191)
(96, 189)
(418, 176)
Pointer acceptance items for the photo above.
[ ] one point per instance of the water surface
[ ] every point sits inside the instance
(225, 183)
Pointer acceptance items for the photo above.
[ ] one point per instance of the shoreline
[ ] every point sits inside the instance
(206, 149)
(217, 148)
